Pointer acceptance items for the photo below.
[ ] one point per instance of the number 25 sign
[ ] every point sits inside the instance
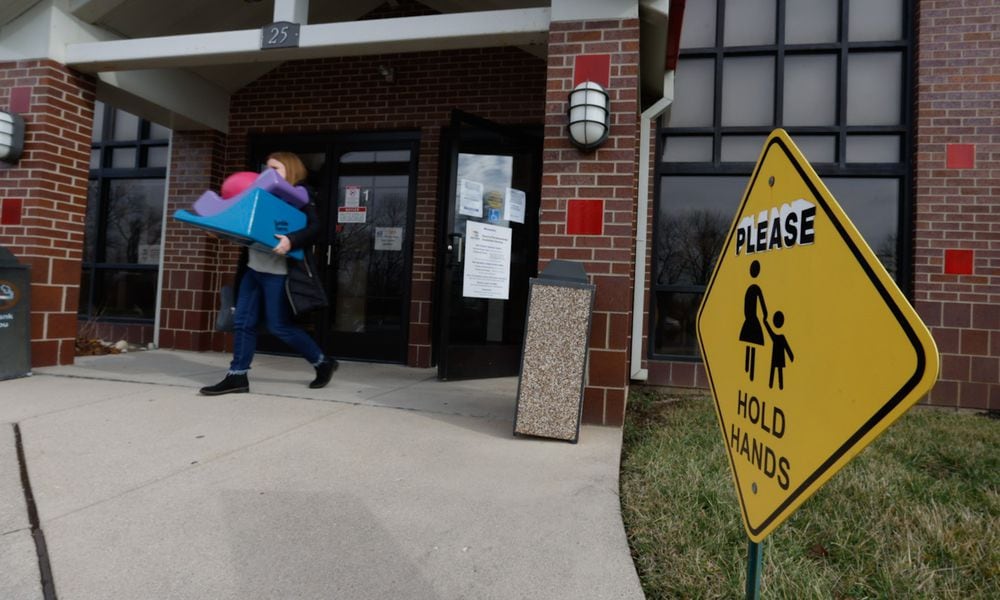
(281, 34)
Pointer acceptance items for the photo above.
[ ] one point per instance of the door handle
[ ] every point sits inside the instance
(456, 241)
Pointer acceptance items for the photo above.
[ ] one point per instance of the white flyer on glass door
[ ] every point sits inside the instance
(352, 196)
(513, 205)
(487, 261)
(389, 238)
(470, 198)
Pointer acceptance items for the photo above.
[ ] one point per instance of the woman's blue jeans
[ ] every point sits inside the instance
(255, 288)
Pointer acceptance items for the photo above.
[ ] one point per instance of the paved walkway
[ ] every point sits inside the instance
(387, 484)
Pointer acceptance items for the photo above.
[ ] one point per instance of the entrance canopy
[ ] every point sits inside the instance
(178, 62)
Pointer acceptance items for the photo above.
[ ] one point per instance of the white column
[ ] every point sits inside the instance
(293, 11)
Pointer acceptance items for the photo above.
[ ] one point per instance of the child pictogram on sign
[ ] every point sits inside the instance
(779, 348)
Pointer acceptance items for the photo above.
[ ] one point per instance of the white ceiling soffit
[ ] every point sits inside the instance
(12, 9)
(169, 97)
(92, 11)
(403, 34)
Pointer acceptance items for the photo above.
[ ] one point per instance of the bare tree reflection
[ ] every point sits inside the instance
(134, 216)
(886, 253)
(688, 245)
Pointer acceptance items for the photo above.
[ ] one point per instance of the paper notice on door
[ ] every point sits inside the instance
(389, 238)
(470, 198)
(513, 206)
(352, 214)
(352, 195)
(487, 261)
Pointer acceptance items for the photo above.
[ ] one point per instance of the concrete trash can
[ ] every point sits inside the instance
(554, 355)
(15, 317)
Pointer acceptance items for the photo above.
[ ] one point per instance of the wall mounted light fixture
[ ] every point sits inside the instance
(589, 115)
(11, 137)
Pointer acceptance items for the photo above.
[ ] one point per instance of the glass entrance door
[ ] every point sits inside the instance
(371, 247)
(364, 186)
(489, 246)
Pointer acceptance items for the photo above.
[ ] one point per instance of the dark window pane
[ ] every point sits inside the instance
(675, 316)
(873, 207)
(134, 217)
(125, 294)
(95, 159)
(388, 156)
(86, 279)
(695, 214)
(92, 218)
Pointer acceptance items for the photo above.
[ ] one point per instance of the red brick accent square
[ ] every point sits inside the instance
(10, 211)
(20, 99)
(592, 67)
(585, 217)
(958, 262)
(961, 156)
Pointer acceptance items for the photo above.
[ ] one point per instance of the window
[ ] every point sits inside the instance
(125, 203)
(835, 75)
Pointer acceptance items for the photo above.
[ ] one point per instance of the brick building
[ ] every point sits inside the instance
(132, 111)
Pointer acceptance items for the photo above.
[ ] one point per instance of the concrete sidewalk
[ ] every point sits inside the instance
(146, 490)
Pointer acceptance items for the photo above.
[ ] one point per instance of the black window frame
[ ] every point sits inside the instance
(104, 174)
(901, 170)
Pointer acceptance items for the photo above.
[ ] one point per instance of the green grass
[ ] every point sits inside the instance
(915, 515)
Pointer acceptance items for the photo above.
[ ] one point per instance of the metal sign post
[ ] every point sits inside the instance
(755, 555)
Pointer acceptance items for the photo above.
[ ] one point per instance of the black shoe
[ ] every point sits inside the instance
(232, 384)
(323, 373)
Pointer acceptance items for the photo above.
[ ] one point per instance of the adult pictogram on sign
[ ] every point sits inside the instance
(751, 333)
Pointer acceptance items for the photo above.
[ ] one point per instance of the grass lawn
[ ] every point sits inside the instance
(915, 515)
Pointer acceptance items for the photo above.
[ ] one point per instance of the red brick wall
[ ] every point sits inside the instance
(44, 196)
(609, 173)
(193, 260)
(344, 95)
(958, 208)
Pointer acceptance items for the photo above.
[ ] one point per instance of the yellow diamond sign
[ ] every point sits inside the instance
(811, 349)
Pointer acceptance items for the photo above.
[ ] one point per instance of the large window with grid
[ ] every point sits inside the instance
(836, 75)
(124, 221)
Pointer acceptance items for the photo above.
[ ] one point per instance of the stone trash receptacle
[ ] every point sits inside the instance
(554, 356)
(15, 317)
